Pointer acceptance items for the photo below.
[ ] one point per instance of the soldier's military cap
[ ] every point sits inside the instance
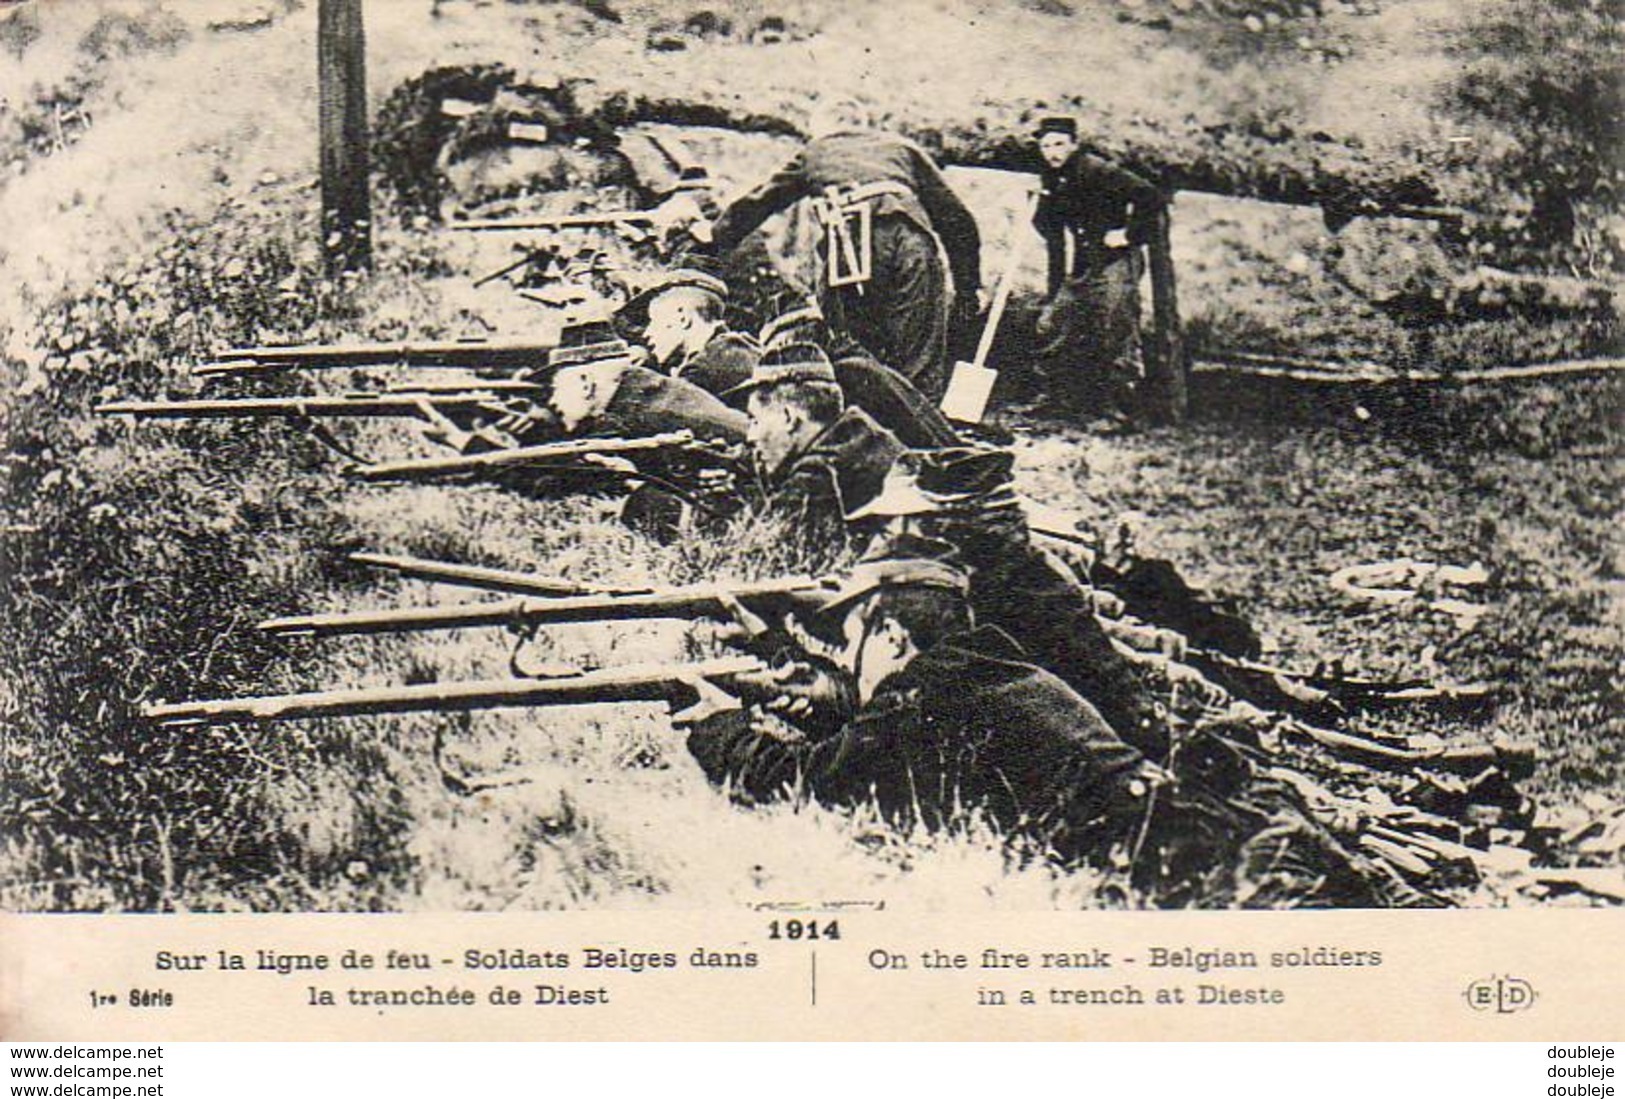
(803, 324)
(929, 482)
(636, 310)
(789, 364)
(892, 572)
(1057, 124)
(909, 545)
(586, 343)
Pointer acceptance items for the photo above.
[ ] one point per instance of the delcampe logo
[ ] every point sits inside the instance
(1502, 995)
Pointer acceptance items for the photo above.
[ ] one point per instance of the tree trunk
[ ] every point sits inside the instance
(1166, 367)
(341, 51)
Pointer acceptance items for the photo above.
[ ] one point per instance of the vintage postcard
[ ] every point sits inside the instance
(941, 519)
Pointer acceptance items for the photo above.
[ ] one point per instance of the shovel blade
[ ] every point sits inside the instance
(969, 389)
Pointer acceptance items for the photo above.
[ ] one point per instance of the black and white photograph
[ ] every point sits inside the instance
(811, 456)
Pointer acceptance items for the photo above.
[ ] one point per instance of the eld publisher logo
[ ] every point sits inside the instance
(1502, 995)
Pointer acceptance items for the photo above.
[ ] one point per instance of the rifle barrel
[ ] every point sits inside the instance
(632, 683)
(556, 221)
(467, 385)
(496, 354)
(700, 601)
(359, 404)
(475, 576)
(515, 456)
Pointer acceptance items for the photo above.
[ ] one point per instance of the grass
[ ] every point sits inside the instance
(136, 559)
(1264, 497)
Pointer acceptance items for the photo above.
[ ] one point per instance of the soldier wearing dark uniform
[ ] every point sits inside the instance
(682, 318)
(929, 715)
(604, 394)
(949, 718)
(886, 210)
(647, 403)
(964, 497)
(818, 457)
(595, 390)
(1093, 216)
(887, 396)
(592, 388)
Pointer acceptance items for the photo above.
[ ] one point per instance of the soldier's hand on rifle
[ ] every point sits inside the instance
(1078, 562)
(680, 209)
(614, 462)
(747, 620)
(716, 448)
(681, 213)
(1106, 604)
(1117, 238)
(811, 643)
(1148, 778)
(717, 482)
(1192, 687)
(984, 300)
(438, 427)
(799, 691)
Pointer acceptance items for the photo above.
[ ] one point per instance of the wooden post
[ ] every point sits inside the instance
(1167, 369)
(341, 72)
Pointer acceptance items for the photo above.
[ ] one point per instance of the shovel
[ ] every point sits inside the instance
(972, 382)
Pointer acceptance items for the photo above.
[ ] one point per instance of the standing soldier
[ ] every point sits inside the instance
(682, 320)
(887, 215)
(1093, 215)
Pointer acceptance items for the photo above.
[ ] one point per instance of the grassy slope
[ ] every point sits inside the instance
(1525, 480)
(101, 813)
(155, 548)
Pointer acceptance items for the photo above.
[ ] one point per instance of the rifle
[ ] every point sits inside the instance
(520, 386)
(1515, 758)
(556, 221)
(709, 601)
(474, 576)
(1326, 693)
(506, 355)
(391, 403)
(672, 683)
(415, 468)
(528, 255)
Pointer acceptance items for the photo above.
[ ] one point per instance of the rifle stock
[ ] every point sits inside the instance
(1323, 694)
(700, 601)
(1516, 758)
(633, 683)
